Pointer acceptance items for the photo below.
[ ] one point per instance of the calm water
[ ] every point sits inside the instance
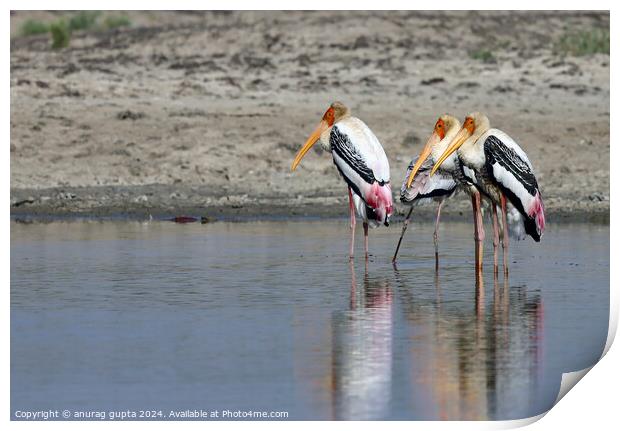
(271, 316)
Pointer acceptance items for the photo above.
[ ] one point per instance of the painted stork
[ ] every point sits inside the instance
(420, 188)
(500, 169)
(361, 161)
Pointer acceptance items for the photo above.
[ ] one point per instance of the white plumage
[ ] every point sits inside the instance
(361, 161)
(501, 170)
(498, 166)
(421, 187)
(367, 145)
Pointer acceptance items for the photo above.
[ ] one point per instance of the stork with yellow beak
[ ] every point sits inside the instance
(500, 169)
(420, 188)
(361, 160)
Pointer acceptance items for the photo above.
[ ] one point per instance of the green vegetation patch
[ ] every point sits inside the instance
(115, 21)
(595, 41)
(84, 20)
(60, 34)
(33, 26)
(60, 30)
(483, 55)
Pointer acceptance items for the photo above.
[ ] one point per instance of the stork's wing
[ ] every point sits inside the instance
(508, 168)
(424, 187)
(349, 157)
(359, 157)
(507, 163)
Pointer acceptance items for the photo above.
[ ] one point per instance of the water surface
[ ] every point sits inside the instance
(272, 316)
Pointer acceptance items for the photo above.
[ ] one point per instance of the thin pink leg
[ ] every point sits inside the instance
(495, 239)
(479, 254)
(366, 239)
(352, 209)
(505, 241)
(478, 232)
(473, 207)
(479, 219)
(436, 235)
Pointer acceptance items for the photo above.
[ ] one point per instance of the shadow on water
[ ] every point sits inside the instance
(474, 357)
(362, 351)
(471, 360)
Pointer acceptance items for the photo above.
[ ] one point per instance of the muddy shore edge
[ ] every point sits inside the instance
(165, 202)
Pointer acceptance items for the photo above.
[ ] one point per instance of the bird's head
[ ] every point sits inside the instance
(336, 112)
(474, 126)
(444, 131)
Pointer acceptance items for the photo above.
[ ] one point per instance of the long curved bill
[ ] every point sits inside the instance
(458, 140)
(314, 137)
(426, 151)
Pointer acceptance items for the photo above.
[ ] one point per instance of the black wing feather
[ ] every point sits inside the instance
(496, 151)
(342, 145)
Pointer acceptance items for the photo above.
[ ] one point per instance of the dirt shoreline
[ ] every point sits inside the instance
(167, 202)
(202, 113)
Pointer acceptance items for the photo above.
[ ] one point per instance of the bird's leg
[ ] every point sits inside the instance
(473, 207)
(480, 224)
(352, 209)
(495, 239)
(402, 234)
(366, 239)
(505, 240)
(478, 231)
(436, 236)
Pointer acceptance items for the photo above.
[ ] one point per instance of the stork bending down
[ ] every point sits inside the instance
(361, 160)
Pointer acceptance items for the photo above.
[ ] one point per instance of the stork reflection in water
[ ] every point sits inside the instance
(362, 353)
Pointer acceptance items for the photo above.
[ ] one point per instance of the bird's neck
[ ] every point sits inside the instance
(325, 139)
(442, 146)
(472, 151)
(347, 119)
(475, 137)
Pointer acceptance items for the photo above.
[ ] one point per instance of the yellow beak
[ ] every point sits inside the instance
(314, 137)
(458, 140)
(426, 151)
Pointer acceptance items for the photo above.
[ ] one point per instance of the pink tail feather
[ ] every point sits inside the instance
(537, 212)
(379, 198)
